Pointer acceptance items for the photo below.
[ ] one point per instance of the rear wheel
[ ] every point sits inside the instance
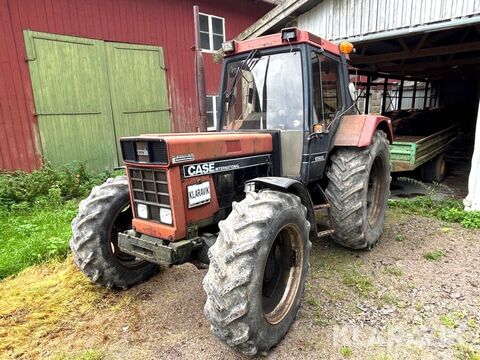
(358, 190)
(257, 272)
(435, 169)
(94, 242)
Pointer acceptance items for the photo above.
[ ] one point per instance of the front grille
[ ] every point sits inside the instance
(150, 187)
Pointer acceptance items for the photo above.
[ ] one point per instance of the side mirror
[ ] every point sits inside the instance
(352, 91)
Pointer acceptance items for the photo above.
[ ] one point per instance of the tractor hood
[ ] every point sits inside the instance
(183, 148)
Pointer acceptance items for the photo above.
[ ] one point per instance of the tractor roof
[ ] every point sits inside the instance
(268, 41)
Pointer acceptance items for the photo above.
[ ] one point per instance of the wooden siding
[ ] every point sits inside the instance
(89, 93)
(151, 22)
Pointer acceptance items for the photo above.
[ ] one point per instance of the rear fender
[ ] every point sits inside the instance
(358, 130)
(291, 186)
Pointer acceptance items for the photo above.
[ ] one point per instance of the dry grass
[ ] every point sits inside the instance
(45, 301)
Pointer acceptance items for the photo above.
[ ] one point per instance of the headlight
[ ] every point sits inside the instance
(166, 216)
(142, 211)
(289, 34)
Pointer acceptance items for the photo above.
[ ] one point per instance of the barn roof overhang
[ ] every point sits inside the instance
(438, 50)
(453, 53)
(279, 17)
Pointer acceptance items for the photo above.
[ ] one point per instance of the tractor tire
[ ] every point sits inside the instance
(358, 190)
(258, 267)
(434, 170)
(94, 242)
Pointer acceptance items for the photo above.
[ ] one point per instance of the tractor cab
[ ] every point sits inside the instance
(291, 85)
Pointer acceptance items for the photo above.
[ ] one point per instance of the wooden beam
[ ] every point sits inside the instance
(427, 84)
(274, 17)
(439, 35)
(461, 40)
(430, 65)
(421, 42)
(472, 71)
(440, 50)
(477, 28)
(400, 95)
(367, 95)
(404, 46)
(384, 95)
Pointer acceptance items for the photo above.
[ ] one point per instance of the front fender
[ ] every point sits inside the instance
(358, 130)
(294, 187)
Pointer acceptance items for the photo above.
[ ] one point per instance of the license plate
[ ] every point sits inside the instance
(198, 194)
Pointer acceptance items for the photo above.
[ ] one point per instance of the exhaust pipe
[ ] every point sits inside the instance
(199, 75)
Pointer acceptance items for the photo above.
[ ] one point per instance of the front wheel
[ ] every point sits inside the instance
(358, 190)
(94, 242)
(257, 273)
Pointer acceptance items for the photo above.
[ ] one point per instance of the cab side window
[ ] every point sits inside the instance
(327, 99)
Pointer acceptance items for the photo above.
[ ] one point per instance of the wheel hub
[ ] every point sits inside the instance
(282, 274)
(376, 191)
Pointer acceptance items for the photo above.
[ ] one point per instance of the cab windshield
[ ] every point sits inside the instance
(264, 92)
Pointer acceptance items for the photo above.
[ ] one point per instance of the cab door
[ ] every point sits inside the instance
(327, 102)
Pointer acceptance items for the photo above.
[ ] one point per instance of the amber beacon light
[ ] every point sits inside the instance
(345, 47)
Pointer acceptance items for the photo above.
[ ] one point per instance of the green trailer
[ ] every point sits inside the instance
(427, 152)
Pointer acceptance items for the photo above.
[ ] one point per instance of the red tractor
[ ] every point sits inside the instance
(242, 200)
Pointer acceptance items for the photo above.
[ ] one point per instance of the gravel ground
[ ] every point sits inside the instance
(389, 303)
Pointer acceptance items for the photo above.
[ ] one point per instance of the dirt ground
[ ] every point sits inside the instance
(389, 303)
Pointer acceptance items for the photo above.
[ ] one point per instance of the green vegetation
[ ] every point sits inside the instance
(316, 305)
(399, 237)
(389, 298)
(354, 278)
(346, 351)
(465, 352)
(393, 270)
(36, 211)
(20, 191)
(434, 255)
(84, 355)
(448, 321)
(453, 319)
(34, 236)
(384, 357)
(447, 210)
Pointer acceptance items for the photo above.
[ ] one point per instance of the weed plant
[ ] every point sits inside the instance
(449, 210)
(36, 210)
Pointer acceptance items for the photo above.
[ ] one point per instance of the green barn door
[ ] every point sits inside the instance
(72, 100)
(138, 89)
(89, 93)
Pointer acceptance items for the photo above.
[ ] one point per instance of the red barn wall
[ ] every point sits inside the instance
(163, 23)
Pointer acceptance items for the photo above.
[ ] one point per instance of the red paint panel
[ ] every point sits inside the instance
(164, 23)
(214, 145)
(273, 40)
(358, 130)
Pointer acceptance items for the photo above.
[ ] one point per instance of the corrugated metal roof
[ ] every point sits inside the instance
(349, 19)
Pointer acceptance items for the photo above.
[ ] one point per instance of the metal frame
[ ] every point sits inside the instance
(429, 84)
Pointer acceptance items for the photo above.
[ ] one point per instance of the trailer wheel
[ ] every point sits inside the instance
(257, 273)
(434, 170)
(94, 242)
(358, 190)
